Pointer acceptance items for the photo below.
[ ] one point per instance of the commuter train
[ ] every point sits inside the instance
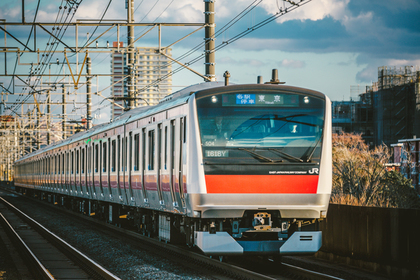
(232, 170)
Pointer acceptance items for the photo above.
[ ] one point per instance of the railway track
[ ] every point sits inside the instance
(46, 255)
(245, 268)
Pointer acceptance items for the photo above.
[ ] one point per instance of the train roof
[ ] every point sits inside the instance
(172, 100)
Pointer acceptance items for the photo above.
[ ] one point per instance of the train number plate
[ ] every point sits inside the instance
(217, 153)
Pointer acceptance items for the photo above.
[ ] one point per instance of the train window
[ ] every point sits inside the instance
(159, 140)
(89, 158)
(119, 153)
(83, 161)
(72, 163)
(143, 149)
(113, 147)
(96, 158)
(124, 155)
(104, 157)
(166, 148)
(151, 149)
(130, 152)
(173, 144)
(184, 126)
(67, 163)
(270, 123)
(136, 152)
(77, 161)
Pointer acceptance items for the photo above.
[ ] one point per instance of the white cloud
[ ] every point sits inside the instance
(291, 63)
(314, 10)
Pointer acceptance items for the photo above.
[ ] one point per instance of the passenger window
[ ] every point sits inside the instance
(113, 146)
(96, 158)
(151, 149)
(83, 161)
(104, 157)
(72, 163)
(136, 152)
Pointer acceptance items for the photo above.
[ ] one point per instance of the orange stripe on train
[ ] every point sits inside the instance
(262, 183)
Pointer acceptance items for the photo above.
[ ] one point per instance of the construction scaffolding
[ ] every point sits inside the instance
(395, 104)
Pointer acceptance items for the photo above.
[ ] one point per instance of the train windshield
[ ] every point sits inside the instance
(271, 127)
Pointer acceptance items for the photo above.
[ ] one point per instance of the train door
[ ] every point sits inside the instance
(135, 176)
(100, 171)
(129, 160)
(83, 171)
(177, 144)
(105, 169)
(89, 169)
(143, 165)
(67, 175)
(166, 171)
(125, 172)
(61, 172)
(151, 172)
(73, 172)
(96, 174)
(77, 171)
(172, 153)
(48, 172)
(120, 174)
(159, 164)
(113, 180)
(55, 188)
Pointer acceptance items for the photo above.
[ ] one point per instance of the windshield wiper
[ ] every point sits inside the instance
(286, 154)
(259, 156)
(313, 150)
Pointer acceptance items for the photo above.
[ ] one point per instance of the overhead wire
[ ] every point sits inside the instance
(42, 68)
(26, 46)
(257, 26)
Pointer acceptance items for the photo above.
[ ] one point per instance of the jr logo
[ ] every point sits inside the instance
(314, 171)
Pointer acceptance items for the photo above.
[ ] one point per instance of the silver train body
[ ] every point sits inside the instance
(239, 169)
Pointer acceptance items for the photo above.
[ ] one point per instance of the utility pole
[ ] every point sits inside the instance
(130, 54)
(48, 118)
(63, 124)
(210, 44)
(38, 124)
(88, 95)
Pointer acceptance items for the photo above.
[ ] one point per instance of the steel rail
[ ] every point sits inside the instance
(37, 268)
(81, 259)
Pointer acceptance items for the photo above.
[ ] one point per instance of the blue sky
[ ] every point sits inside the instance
(325, 45)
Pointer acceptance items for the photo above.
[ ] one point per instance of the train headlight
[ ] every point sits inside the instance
(214, 99)
(306, 100)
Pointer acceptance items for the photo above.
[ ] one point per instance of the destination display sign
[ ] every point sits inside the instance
(260, 99)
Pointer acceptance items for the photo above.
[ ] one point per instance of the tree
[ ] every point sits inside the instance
(360, 176)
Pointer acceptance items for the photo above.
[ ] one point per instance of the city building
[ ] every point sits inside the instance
(407, 159)
(152, 77)
(353, 116)
(395, 103)
(389, 109)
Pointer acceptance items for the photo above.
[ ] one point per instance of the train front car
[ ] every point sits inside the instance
(264, 169)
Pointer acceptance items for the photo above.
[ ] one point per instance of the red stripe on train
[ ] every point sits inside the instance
(261, 183)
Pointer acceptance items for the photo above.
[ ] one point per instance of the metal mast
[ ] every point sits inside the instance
(210, 44)
(130, 54)
(88, 94)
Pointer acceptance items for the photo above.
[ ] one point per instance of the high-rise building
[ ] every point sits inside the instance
(151, 77)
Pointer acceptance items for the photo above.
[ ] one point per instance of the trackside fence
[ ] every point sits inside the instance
(386, 236)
